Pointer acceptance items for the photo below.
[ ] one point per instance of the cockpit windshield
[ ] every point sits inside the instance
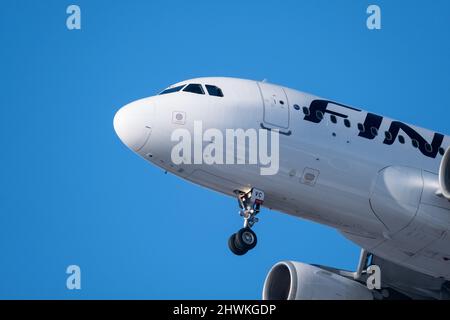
(214, 91)
(173, 89)
(195, 88)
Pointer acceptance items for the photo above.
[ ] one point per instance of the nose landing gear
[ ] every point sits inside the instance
(245, 239)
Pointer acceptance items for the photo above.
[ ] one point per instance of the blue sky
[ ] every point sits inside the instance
(72, 193)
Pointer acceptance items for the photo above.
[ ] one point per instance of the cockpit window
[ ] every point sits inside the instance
(194, 88)
(214, 91)
(174, 89)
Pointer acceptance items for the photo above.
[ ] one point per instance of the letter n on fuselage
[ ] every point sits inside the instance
(429, 150)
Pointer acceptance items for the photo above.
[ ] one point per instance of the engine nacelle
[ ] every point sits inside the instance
(290, 280)
(444, 174)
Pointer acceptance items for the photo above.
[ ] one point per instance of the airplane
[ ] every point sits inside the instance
(383, 184)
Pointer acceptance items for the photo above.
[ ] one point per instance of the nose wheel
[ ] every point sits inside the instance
(245, 239)
(242, 241)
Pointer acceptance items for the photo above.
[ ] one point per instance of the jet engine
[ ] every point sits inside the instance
(444, 174)
(290, 280)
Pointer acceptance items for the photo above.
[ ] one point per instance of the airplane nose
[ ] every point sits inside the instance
(131, 124)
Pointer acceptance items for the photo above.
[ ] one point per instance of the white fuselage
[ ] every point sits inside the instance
(362, 180)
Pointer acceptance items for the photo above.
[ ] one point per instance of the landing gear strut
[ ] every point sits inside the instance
(245, 239)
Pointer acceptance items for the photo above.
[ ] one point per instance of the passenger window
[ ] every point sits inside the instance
(361, 127)
(428, 147)
(194, 88)
(333, 118)
(415, 143)
(319, 115)
(306, 111)
(388, 135)
(442, 151)
(401, 139)
(347, 123)
(214, 91)
(174, 89)
(374, 131)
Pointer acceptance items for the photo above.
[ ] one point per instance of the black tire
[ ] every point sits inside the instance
(232, 245)
(245, 239)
